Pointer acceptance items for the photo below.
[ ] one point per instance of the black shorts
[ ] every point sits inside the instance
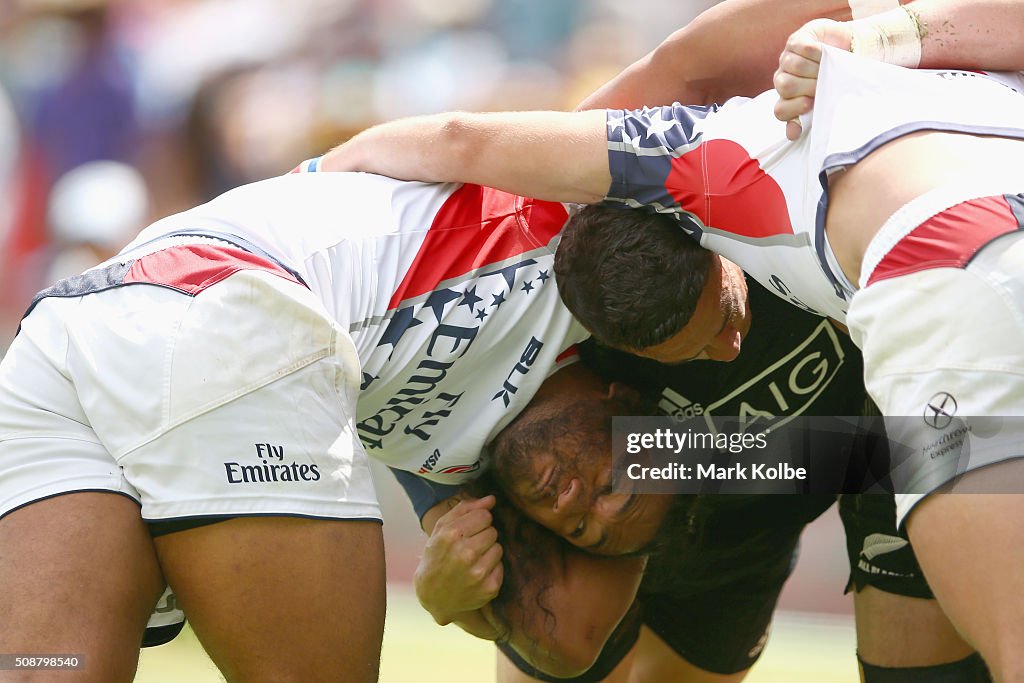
(710, 591)
(880, 555)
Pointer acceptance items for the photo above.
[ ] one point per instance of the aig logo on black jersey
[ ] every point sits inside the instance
(788, 386)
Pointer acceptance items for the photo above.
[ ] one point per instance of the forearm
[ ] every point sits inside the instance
(560, 605)
(731, 49)
(559, 156)
(407, 149)
(971, 33)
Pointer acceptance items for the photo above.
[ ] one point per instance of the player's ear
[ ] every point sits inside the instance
(622, 393)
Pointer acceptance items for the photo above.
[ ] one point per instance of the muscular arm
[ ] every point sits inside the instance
(560, 609)
(964, 34)
(730, 49)
(971, 33)
(558, 156)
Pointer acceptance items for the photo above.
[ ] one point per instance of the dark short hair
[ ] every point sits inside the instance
(631, 277)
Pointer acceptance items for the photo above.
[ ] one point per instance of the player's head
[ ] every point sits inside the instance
(639, 283)
(554, 462)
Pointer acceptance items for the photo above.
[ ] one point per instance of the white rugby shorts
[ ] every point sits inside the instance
(940, 318)
(199, 380)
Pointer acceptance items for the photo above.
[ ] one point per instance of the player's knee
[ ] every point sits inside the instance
(971, 669)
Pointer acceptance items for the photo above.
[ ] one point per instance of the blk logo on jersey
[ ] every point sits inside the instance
(270, 466)
(509, 387)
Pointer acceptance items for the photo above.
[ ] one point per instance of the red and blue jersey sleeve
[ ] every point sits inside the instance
(646, 148)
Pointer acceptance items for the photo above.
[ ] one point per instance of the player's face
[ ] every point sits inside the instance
(718, 325)
(571, 494)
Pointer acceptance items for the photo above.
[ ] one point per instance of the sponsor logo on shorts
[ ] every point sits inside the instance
(270, 467)
(940, 410)
(876, 546)
(950, 443)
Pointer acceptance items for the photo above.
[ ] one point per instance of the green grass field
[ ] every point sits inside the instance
(802, 649)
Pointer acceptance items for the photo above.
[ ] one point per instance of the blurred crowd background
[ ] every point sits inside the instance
(117, 112)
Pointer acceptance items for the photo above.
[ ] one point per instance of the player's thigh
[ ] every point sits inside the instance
(283, 599)
(899, 623)
(78, 572)
(900, 631)
(78, 576)
(654, 660)
(971, 547)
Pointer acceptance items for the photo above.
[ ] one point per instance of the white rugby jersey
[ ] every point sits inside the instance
(746, 192)
(447, 291)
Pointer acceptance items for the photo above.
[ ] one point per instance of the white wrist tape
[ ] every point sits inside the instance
(866, 8)
(893, 37)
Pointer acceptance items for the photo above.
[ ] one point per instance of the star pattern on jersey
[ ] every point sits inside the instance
(470, 299)
(401, 322)
(509, 272)
(659, 126)
(452, 316)
(669, 131)
(630, 142)
(438, 299)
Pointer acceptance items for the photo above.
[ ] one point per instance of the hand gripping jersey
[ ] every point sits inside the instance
(447, 291)
(759, 200)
